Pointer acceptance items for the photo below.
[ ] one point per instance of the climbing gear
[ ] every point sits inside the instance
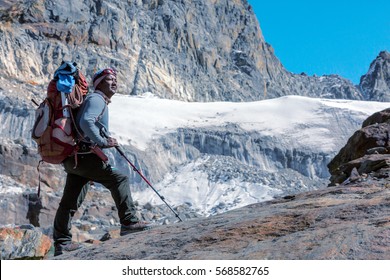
(54, 129)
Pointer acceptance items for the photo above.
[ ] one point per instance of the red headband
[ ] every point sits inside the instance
(101, 74)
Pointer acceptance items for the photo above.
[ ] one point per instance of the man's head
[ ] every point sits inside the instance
(105, 81)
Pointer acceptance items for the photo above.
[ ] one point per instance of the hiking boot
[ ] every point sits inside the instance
(62, 248)
(134, 227)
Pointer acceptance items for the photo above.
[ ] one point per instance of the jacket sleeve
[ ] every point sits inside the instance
(94, 107)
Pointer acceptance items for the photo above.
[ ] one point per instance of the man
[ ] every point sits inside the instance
(88, 166)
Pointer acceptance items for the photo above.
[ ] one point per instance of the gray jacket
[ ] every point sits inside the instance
(92, 117)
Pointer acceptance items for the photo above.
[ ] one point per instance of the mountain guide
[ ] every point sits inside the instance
(91, 164)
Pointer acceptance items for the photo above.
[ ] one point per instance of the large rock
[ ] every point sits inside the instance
(367, 149)
(23, 243)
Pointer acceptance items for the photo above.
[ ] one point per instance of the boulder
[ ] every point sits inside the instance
(367, 150)
(24, 242)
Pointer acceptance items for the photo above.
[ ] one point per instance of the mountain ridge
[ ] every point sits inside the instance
(164, 47)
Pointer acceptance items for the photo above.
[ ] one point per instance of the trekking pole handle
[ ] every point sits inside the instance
(103, 132)
(35, 102)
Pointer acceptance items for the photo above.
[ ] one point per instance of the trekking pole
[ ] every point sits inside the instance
(120, 151)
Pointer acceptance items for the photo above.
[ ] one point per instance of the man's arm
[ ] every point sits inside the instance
(94, 107)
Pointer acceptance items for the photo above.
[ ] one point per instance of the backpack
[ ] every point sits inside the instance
(54, 128)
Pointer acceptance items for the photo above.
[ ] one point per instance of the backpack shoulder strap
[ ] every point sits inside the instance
(98, 118)
(102, 113)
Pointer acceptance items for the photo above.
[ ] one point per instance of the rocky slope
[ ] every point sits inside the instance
(346, 222)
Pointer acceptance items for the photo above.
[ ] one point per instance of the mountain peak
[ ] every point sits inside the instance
(375, 85)
(385, 55)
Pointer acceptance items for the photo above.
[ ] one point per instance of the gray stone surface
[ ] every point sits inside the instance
(345, 223)
(25, 242)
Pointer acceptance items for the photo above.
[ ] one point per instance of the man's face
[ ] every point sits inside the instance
(108, 85)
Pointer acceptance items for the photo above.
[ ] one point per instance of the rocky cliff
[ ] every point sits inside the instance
(203, 50)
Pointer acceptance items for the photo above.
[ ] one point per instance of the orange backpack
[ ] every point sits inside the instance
(54, 128)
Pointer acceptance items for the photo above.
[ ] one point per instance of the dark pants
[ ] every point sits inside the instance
(90, 168)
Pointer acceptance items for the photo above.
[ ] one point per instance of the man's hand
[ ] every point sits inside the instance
(112, 142)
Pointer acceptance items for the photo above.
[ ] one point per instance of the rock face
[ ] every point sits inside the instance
(375, 85)
(203, 50)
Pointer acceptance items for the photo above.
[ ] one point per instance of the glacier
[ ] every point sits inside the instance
(218, 156)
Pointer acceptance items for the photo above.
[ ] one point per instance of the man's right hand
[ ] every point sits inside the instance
(112, 142)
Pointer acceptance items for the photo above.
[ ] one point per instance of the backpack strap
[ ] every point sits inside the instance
(101, 114)
(81, 136)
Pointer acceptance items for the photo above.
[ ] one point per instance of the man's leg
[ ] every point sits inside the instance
(73, 195)
(118, 185)
(91, 167)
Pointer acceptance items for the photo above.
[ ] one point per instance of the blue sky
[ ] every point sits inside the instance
(325, 37)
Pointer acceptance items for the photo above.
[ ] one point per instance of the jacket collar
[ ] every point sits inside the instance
(108, 100)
